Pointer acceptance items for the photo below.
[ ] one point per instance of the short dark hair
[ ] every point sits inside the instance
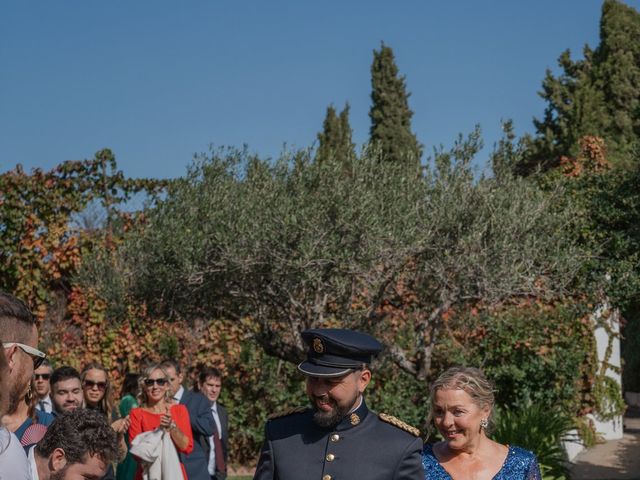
(80, 433)
(171, 363)
(16, 320)
(207, 372)
(63, 373)
(130, 384)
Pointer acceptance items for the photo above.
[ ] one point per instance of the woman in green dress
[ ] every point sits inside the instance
(127, 468)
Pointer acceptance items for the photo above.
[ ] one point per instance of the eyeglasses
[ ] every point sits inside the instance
(161, 382)
(37, 356)
(90, 384)
(43, 376)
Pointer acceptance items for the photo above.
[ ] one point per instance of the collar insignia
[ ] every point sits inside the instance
(355, 419)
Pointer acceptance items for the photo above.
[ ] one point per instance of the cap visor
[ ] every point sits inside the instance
(313, 370)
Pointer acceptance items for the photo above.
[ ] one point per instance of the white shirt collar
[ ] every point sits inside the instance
(178, 395)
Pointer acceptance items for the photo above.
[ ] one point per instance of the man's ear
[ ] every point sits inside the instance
(363, 379)
(57, 460)
(10, 353)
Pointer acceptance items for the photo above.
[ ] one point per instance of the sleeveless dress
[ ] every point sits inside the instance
(520, 464)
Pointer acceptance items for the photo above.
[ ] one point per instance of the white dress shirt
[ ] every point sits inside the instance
(179, 393)
(212, 455)
(45, 404)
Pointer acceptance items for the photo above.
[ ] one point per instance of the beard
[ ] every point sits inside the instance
(332, 417)
(16, 394)
(59, 475)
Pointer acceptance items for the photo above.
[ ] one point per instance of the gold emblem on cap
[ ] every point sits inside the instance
(317, 345)
(355, 419)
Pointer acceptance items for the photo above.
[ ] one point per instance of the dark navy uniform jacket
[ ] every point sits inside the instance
(361, 447)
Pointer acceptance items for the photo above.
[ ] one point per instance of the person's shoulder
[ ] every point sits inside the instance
(136, 412)
(430, 462)
(290, 420)
(522, 454)
(179, 408)
(286, 414)
(45, 418)
(397, 426)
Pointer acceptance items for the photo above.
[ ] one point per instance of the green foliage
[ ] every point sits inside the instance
(539, 429)
(607, 224)
(598, 96)
(534, 352)
(631, 352)
(390, 114)
(335, 142)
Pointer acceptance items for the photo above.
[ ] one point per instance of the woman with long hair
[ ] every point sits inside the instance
(97, 393)
(159, 410)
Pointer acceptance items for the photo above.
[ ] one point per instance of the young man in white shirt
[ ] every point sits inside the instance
(210, 385)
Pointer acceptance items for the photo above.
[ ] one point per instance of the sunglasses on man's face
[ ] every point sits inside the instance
(90, 384)
(42, 376)
(36, 355)
(159, 381)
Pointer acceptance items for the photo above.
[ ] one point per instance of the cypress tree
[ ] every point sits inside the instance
(598, 96)
(390, 114)
(335, 141)
(618, 74)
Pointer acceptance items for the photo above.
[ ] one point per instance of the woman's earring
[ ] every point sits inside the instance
(484, 423)
(29, 395)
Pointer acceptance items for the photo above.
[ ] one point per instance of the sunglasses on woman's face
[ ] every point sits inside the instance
(161, 382)
(90, 384)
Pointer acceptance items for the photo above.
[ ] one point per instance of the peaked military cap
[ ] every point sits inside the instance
(334, 351)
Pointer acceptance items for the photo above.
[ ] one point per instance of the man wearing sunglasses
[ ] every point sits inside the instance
(42, 377)
(20, 338)
(200, 417)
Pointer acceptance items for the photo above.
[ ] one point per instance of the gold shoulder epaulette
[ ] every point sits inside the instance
(396, 422)
(286, 413)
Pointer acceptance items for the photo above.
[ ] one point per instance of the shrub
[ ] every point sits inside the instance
(539, 429)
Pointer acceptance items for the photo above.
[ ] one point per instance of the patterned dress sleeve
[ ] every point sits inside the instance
(534, 470)
(180, 415)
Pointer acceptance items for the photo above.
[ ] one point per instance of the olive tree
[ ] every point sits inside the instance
(292, 244)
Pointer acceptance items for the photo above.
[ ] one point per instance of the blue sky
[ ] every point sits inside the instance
(158, 81)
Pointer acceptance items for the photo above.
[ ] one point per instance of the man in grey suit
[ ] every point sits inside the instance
(202, 422)
(210, 384)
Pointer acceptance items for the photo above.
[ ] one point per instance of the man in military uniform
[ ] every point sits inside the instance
(339, 438)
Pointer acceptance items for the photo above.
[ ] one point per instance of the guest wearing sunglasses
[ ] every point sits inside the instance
(42, 377)
(18, 324)
(159, 410)
(20, 337)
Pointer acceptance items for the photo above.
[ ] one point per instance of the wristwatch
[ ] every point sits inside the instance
(173, 425)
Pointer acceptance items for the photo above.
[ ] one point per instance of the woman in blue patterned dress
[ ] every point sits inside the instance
(461, 405)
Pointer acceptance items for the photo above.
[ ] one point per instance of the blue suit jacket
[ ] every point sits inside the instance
(202, 426)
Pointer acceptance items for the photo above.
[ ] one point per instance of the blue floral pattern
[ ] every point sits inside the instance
(520, 464)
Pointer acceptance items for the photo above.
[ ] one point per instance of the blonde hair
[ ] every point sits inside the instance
(142, 392)
(470, 379)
